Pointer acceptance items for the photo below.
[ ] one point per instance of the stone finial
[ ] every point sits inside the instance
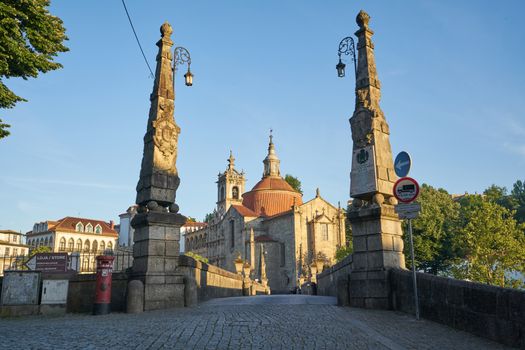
(362, 19)
(166, 30)
(317, 193)
(231, 161)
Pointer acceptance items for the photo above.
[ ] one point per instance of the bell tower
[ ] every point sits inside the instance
(230, 187)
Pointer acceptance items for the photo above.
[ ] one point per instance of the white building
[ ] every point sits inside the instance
(72, 234)
(189, 227)
(125, 230)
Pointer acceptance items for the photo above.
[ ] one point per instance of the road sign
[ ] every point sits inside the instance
(406, 189)
(408, 210)
(48, 262)
(402, 164)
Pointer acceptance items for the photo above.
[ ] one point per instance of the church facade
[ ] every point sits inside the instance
(296, 237)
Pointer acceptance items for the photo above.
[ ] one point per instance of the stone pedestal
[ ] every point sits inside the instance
(378, 247)
(156, 257)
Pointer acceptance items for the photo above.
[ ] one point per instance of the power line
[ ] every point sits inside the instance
(137, 38)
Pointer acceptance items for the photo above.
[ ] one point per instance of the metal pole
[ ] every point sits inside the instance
(413, 268)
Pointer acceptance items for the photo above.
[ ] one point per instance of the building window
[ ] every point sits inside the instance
(324, 231)
(95, 246)
(6, 251)
(102, 246)
(46, 242)
(283, 254)
(15, 251)
(86, 245)
(222, 193)
(79, 245)
(14, 238)
(79, 227)
(235, 192)
(98, 229)
(110, 245)
(70, 245)
(62, 245)
(232, 233)
(89, 228)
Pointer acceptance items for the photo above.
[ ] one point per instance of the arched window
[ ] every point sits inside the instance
(51, 241)
(98, 229)
(79, 245)
(62, 245)
(89, 228)
(79, 227)
(232, 233)
(46, 242)
(86, 245)
(235, 192)
(324, 231)
(94, 248)
(222, 193)
(102, 246)
(70, 245)
(110, 245)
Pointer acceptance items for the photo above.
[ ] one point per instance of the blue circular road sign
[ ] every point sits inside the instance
(402, 164)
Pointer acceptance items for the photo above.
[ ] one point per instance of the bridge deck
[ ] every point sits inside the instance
(261, 322)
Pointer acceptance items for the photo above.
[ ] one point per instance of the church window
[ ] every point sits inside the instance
(324, 231)
(62, 245)
(222, 193)
(235, 192)
(283, 255)
(232, 233)
(79, 227)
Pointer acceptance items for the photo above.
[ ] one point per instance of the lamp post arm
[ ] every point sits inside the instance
(347, 47)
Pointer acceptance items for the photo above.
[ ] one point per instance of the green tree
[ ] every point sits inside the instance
(490, 243)
(30, 38)
(208, 217)
(342, 252)
(294, 182)
(499, 195)
(41, 249)
(518, 195)
(197, 257)
(433, 231)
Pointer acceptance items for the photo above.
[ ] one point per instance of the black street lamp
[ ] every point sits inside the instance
(347, 47)
(182, 56)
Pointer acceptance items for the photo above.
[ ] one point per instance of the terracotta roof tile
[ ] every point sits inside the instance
(195, 224)
(68, 224)
(241, 209)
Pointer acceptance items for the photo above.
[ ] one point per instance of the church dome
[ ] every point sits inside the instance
(272, 195)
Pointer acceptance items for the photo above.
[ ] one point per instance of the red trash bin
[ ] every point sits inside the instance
(103, 289)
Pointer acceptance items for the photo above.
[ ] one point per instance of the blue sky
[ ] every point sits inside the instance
(452, 73)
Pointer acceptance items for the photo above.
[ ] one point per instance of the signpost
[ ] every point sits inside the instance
(402, 164)
(406, 191)
(48, 262)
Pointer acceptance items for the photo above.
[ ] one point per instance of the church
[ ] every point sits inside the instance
(295, 238)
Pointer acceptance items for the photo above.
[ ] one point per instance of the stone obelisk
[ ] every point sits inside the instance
(157, 224)
(376, 228)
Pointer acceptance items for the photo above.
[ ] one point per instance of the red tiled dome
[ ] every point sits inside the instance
(270, 196)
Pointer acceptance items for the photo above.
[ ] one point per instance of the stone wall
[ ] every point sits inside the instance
(487, 311)
(211, 281)
(81, 293)
(327, 280)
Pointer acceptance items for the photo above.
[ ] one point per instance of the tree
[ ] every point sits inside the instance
(41, 249)
(208, 218)
(433, 231)
(294, 182)
(342, 252)
(197, 257)
(518, 195)
(490, 243)
(499, 195)
(30, 38)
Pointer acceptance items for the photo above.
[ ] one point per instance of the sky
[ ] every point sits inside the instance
(453, 83)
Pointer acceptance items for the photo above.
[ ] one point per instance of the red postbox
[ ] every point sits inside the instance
(103, 289)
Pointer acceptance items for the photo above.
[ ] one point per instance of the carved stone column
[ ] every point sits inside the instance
(376, 228)
(157, 224)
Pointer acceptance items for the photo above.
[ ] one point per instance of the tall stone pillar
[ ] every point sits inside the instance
(376, 228)
(157, 223)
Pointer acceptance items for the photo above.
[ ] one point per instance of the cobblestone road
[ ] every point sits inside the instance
(262, 322)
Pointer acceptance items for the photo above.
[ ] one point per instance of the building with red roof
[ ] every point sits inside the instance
(269, 219)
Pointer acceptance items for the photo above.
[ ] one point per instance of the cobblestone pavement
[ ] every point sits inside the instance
(261, 322)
